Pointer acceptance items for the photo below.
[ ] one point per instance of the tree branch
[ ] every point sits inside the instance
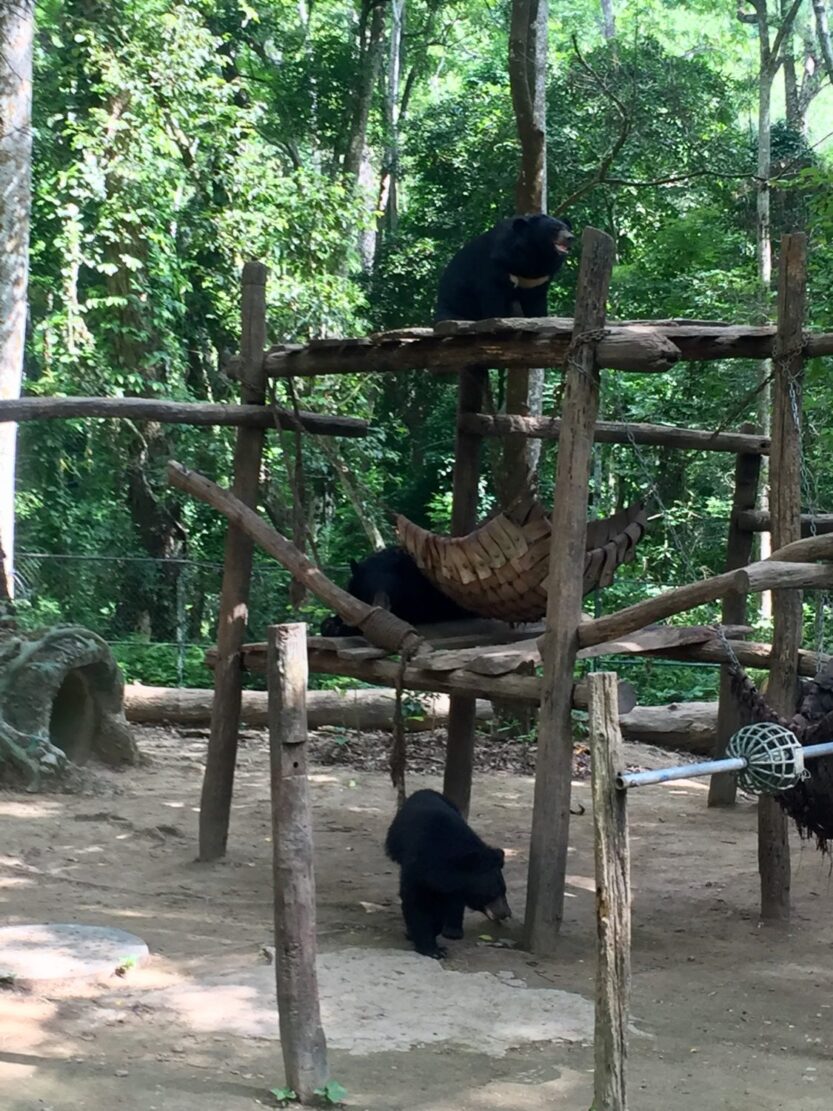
(823, 32)
(625, 125)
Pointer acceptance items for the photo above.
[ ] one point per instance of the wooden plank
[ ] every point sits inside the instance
(495, 660)
(785, 507)
(551, 811)
(218, 781)
(613, 898)
(459, 755)
(650, 640)
(303, 1045)
(619, 432)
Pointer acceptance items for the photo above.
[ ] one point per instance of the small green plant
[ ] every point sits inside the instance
(124, 965)
(413, 708)
(283, 1095)
(333, 1094)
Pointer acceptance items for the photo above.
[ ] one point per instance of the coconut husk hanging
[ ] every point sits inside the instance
(500, 570)
(810, 802)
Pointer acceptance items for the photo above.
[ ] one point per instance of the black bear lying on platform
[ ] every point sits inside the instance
(444, 868)
(392, 580)
(506, 271)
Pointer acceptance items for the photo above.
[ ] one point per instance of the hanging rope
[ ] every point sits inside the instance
(399, 750)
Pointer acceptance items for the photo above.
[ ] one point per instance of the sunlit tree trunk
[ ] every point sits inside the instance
(770, 54)
(608, 20)
(17, 22)
(356, 167)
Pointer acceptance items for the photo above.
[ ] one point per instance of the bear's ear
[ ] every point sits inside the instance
(567, 222)
(519, 223)
(354, 566)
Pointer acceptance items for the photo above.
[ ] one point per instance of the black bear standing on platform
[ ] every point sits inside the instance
(506, 271)
(392, 580)
(444, 868)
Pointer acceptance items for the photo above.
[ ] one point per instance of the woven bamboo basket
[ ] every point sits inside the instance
(500, 570)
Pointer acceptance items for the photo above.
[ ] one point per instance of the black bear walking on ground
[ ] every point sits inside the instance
(444, 868)
(392, 580)
(506, 271)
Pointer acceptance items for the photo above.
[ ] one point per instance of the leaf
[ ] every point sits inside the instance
(283, 1095)
(332, 1092)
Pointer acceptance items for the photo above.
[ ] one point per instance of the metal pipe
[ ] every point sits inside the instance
(812, 751)
(708, 767)
(683, 771)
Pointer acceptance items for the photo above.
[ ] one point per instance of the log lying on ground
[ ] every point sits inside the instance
(681, 726)
(360, 709)
(379, 626)
(177, 412)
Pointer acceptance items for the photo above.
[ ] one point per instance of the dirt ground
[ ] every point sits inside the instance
(727, 1015)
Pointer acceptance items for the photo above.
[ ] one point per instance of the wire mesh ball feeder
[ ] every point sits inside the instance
(767, 757)
(774, 759)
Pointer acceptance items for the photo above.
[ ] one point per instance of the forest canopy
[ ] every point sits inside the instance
(353, 146)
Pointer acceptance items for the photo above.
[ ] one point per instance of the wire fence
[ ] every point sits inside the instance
(160, 615)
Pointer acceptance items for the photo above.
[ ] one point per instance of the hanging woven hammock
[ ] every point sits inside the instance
(500, 570)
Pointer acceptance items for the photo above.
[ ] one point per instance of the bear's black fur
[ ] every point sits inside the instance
(506, 271)
(444, 868)
(392, 580)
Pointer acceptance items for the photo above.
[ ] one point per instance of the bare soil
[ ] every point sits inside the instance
(728, 1015)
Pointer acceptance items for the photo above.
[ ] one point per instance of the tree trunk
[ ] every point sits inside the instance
(17, 22)
(823, 35)
(608, 20)
(528, 81)
(388, 194)
(356, 166)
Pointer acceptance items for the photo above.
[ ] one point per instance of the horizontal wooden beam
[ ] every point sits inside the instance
(641, 346)
(617, 432)
(385, 672)
(643, 349)
(23, 409)
(759, 520)
(748, 653)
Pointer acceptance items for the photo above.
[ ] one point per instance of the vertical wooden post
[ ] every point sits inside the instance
(218, 784)
(303, 1044)
(459, 753)
(613, 896)
(785, 507)
(551, 812)
(739, 546)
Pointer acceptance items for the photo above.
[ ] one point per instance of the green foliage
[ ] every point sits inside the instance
(175, 141)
